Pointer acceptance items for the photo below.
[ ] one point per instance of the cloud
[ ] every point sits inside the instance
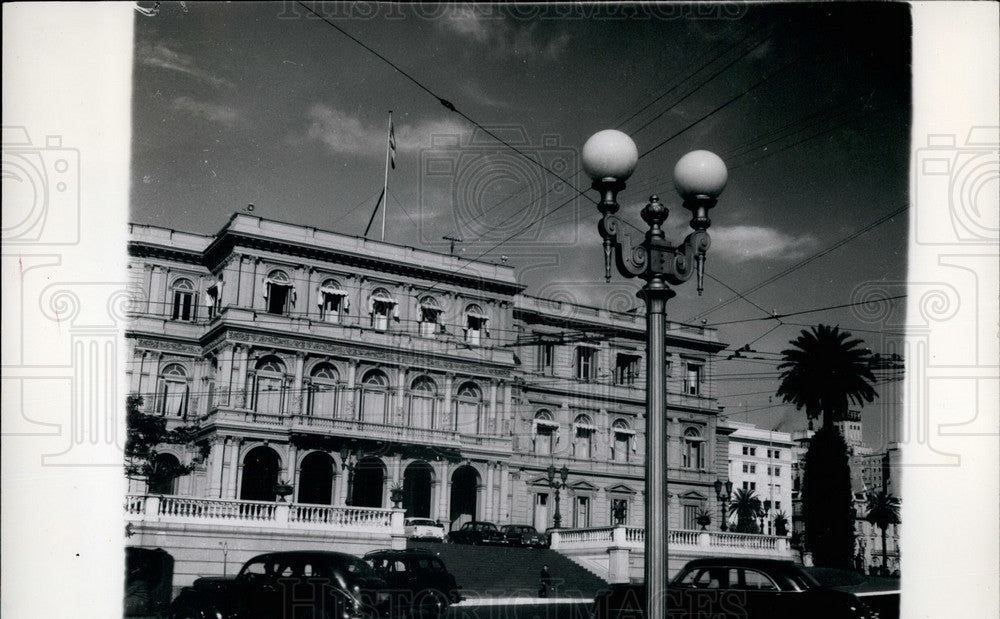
(221, 114)
(344, 132)
(161, 56)
(488, 27)
(760, 243)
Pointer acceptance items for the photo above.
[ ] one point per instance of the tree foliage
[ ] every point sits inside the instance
(825, 372)
(827, 500)
(745, 505)
(145, 433)
(883, 510)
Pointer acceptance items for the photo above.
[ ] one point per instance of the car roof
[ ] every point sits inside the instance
(404, 552)
(783, 564)
(303, 554)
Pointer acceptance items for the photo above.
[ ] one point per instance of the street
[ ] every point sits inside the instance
(499, 610)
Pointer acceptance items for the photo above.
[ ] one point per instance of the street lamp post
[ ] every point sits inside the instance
(722, 492)
(609, 158)
(557, 485)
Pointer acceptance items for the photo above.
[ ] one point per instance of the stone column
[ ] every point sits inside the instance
(232, 476)
(504, 491)
(444, 490)
(241, 388)
(488, 501)
(352, 391)
(491, 424)
(216, 467)
(449, 414)
(297, 407)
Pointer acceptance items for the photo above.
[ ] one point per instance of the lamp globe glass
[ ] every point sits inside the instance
(610, 154)
(700, 173)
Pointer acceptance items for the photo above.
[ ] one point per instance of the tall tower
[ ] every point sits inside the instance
(849, 425)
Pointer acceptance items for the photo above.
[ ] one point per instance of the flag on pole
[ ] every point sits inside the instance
(392, 144)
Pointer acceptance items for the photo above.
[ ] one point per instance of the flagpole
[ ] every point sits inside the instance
(385, 182)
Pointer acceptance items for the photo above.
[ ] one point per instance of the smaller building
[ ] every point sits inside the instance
(761, 461)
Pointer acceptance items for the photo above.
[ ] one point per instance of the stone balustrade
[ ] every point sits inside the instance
(176, 509)
(615, 553)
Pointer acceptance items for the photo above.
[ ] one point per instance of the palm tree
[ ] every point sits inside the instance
(883, 510)
(746, 506)
(825, 372)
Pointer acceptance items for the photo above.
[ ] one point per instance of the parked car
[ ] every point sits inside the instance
(148, 581)
(423, 528)
(301, 584)
(737, 587)
(524, 535)
(879, 593)
(477, 532)
(421, 585)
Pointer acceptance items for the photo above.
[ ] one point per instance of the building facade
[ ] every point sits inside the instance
(761, 461)
(328, 370)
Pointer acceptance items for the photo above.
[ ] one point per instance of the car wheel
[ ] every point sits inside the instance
(430, 605)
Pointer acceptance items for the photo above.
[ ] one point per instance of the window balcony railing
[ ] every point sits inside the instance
(707, 542)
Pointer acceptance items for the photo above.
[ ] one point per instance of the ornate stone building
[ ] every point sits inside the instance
(336, 369)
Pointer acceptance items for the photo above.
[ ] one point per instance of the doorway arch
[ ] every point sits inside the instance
(316, 479)
(368, 487)
(464, 490)
(417, 481)
(260, 474)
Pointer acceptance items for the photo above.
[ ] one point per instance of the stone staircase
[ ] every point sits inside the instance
(498, 571)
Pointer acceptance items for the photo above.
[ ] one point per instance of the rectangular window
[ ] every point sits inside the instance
(753, 451)
(546, 354)
(183, 305)
(753, 468)
(746, 467)
(277, 298)
(544, 437)
(429, 321)
(586, 363)
(329, 310)
(777, 471)
(690, 517)
(583, 445)
(474, 330)
(692, 379)
(746, 450)
(777, 505)
(777, 454)
(621, 447)
(214, 304)
(627, 369)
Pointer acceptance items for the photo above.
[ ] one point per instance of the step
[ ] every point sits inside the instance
(499, 571)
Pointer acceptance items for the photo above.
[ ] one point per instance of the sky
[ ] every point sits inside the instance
(808, 105)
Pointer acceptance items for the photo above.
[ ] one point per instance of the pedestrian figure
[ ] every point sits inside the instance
(546, 579)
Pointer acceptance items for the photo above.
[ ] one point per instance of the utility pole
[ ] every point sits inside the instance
(453, 240)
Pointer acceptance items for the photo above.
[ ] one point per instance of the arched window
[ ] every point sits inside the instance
(545, 432)
(333, 301)
(375, 397)
(269, 381)
(183, 301)
(278, 292)
(423, 402)
(693, 454)
(381, 306)
(621, 437)
(163, 479)
(583, 437)
(324, 391)
(475, 325)
(430, 316)
(172, 391)
(468, 408)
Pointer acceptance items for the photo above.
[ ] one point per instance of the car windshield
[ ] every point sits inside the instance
(422, 522)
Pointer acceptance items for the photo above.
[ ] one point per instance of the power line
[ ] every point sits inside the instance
(867, 228)
(809, 311)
